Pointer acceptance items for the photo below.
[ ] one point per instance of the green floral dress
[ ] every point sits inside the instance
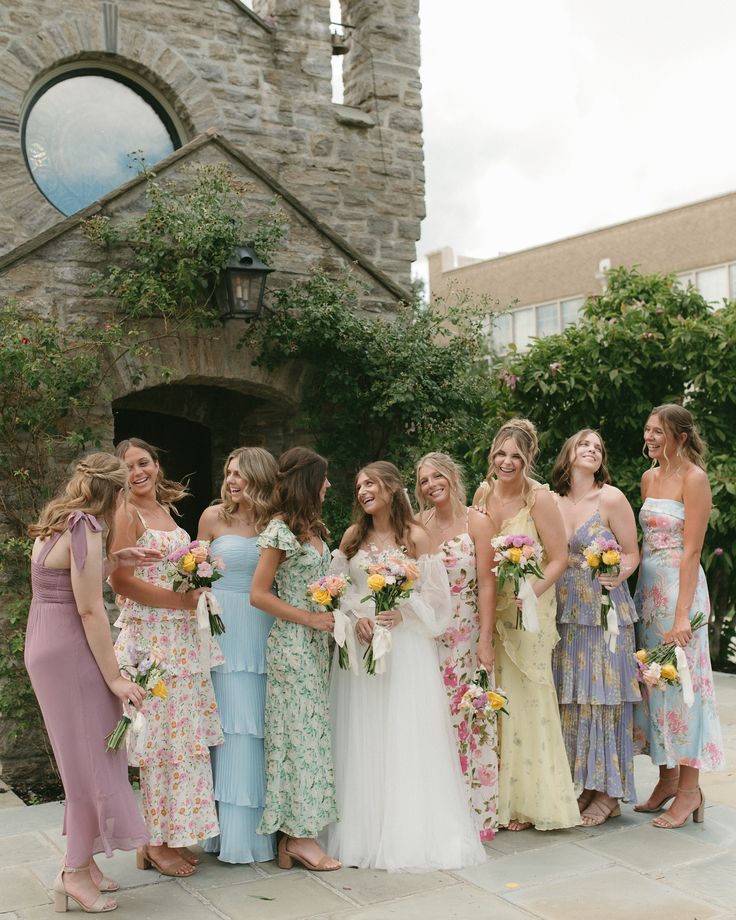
(300, 791)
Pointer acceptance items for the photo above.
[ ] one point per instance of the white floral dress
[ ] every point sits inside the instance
(477, 747)
(176, 776)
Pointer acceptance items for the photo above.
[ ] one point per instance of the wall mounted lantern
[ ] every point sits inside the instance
(242, 285)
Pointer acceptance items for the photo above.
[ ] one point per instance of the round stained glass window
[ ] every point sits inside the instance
(80, 131)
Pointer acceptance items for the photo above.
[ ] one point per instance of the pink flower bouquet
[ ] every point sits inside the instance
(194, 567)
(327, 592)
(391, 577)
(516, 557)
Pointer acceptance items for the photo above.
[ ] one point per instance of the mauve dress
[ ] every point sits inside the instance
(79, 711)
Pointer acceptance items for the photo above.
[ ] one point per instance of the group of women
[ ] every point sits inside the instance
(350, 768)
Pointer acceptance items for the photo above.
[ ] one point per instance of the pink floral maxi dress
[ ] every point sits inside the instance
(176, 776)
(664, 727)
(477, 740)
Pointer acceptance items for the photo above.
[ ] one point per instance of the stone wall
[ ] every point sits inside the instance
(264, 82)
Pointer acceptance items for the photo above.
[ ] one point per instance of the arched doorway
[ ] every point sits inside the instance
(196, 425)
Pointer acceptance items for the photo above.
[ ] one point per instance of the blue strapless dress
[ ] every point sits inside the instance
(240, 688)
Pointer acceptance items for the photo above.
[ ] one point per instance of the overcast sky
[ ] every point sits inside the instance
(546, 118)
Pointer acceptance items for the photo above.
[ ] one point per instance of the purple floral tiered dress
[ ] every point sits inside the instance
(79, 711)
(176, 775)
(596, 688)
(664, 727)
(477, 746)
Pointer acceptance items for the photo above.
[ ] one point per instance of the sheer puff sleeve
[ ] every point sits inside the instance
(428, 609)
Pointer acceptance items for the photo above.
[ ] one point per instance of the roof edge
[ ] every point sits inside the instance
(239, 5)
(211, 136)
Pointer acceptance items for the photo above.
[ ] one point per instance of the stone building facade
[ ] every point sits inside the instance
(251, 88)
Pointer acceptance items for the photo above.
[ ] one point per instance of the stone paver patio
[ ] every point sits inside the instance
(625, 869)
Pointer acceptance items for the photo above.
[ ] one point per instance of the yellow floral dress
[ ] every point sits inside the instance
(534, 781)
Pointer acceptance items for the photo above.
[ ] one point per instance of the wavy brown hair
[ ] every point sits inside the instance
(258, 469)
(562, 470)
(678, 421)
(168, 492)
(299, 479)
(401, 514)
(93, 488)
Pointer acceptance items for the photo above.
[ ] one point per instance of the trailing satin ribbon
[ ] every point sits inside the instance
(135, 737)
(611, 631)
(380, 647)
(686, 680)
(344, 635)
(529, 619)
(206, 604)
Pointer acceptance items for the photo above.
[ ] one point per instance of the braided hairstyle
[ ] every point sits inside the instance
(299, 480)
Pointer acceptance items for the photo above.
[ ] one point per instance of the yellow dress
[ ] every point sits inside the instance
(534, 781)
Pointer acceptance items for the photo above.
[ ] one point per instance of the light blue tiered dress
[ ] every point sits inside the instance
(240, 688)
(664, 727)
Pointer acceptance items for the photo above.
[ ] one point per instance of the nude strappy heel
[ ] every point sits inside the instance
(102, 905)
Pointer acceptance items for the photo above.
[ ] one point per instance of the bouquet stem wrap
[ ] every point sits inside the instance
(529, 618)
(344, 635)
(380, 647)
(135, 738)
(686, 680)
(611, 631)
(208, 612)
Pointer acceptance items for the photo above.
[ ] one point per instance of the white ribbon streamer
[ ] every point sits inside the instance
(344, 635)
(528, 599)
(135, 737)
(381, 645)
(686, 680)
(207, 602)
(611, 632)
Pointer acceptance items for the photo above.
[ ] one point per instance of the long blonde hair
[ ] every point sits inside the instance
(523, 433)
(678, 421)
(93, 488)
(401, 514)
(445, 465)
(168, 492)
(258, 469)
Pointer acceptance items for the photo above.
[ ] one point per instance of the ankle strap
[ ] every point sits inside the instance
(78, 869)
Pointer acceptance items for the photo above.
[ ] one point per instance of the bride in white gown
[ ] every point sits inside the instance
(400, 793)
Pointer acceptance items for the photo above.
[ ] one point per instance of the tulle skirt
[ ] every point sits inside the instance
(401, 798)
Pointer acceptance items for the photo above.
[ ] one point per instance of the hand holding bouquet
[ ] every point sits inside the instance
(603, 557)
(194, 567)
(516, 557)
(666, 665)
(391, 577)
(326, 592)
(478, 701)
(147, 671)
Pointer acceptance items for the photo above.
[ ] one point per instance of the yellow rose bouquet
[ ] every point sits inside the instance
(666, 664)
(146, 670)
(326, 593)
(194, 567)
(517, 556)
(603, 557)
(391, 578)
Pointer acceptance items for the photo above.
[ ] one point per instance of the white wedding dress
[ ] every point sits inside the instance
(401, 799)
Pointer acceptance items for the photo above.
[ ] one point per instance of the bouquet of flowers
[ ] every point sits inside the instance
(478, 701)
(666, 664)
(391, 577)
(147, 671)
(194, 567)
(516, 556)
(326, 592)
(603, 557)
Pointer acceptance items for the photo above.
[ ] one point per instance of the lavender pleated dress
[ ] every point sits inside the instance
(596, 688)
(79, 711)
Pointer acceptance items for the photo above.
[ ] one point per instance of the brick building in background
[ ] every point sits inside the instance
(546, 285)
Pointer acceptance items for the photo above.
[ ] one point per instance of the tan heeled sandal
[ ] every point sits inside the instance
(102, 905)
(286, 859)
(666, 823)
(600, 813)
(144, 860)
